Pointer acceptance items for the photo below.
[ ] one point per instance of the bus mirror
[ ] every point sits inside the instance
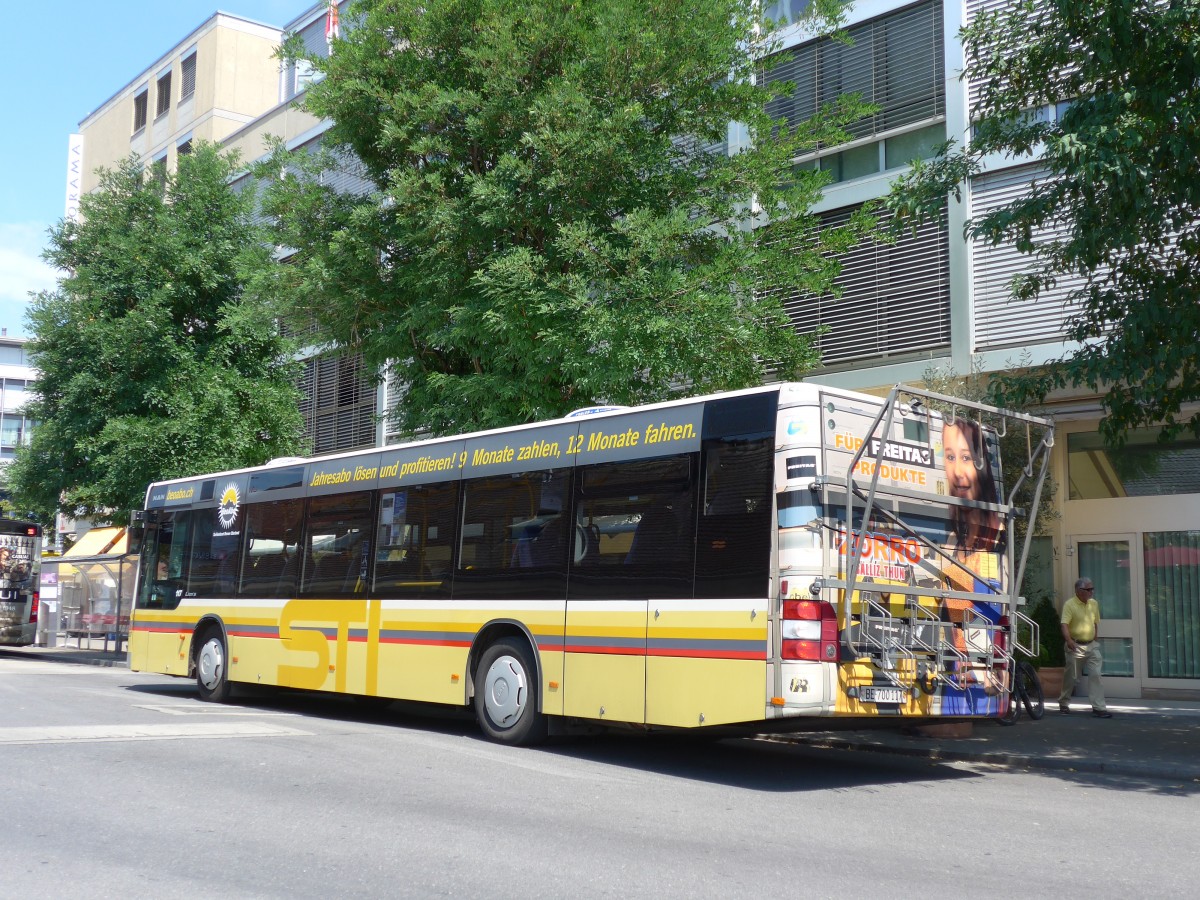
(137, 526)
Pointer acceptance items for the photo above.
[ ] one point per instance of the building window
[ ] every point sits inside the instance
(895, 62)
(857, 162)
(337, 400)
(12, 431)
(895, 297)
(920, 144)
(162, 95)
(301, 74)
(784, 12)
(187, 79)
(185, 148)
(1172, 564)
(1143, 467)
(158, 172)
(14, 393)
(140, 103)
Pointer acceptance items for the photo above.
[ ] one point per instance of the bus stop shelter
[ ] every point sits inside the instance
(95, 581)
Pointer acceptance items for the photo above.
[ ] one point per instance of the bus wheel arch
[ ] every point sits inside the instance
(505, 685)
(210, 660)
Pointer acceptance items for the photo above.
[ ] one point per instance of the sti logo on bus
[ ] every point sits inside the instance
(231, 499)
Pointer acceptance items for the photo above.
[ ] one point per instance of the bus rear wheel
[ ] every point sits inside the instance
(506, 695)
(212, 675)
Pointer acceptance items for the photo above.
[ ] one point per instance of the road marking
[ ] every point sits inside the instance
(34, 667)
(208, 709)
(82, 734)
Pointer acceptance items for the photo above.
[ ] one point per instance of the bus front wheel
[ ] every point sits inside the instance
(506, 694)
(212, 676)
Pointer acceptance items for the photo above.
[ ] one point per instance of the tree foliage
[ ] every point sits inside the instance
(1107, 97)
(154, 359)
(546, 230)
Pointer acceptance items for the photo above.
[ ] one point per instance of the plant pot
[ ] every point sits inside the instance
(1051, 678)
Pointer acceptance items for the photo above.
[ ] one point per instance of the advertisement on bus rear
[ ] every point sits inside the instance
(16, 565)
(949, 464)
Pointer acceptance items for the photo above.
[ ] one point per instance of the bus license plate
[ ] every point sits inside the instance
(880, 695)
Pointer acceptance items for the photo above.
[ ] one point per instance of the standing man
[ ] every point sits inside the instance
(1080, 623)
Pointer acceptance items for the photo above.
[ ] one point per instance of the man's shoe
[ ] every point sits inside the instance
(1101, 714)
(1064, 709)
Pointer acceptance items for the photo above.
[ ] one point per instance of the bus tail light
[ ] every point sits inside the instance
(809, 631)
(33, 613)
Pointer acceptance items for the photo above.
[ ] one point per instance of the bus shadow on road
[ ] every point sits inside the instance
(311, 704)
(743, 762)
(751, 764)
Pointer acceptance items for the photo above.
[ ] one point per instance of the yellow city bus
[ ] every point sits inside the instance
(762, 558)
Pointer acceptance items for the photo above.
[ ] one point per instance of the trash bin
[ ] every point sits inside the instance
(48, 623)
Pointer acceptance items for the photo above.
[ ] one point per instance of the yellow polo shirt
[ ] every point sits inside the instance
(1082, 618)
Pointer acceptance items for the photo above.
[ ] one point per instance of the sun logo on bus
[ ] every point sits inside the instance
(231, 499)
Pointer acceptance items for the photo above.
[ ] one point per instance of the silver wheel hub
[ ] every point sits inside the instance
(505, 691)
(210, 664)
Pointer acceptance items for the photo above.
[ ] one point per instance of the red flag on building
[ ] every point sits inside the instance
(331, 25)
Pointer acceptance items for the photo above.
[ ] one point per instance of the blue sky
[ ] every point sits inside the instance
(62, 59)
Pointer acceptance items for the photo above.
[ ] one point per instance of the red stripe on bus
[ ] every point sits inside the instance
(608, 651)
(420, 642)
(712, 654)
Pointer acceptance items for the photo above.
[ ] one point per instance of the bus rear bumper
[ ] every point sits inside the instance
(18, 635)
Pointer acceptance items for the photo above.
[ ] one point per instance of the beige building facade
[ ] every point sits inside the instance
(220, 77)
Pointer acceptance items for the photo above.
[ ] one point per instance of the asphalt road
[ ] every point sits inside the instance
(118, 784)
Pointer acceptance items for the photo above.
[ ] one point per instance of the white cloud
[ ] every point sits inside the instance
(21, 270)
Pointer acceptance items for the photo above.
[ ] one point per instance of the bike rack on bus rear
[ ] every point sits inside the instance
(919, 648)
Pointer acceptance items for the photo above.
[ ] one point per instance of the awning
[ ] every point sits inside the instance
(100, 542)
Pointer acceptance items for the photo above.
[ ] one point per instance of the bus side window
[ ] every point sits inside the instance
(414, 540)
(635, 526)
(337, 532)
(733, 541)
(214, 558)
(271, 552)
(512, 544)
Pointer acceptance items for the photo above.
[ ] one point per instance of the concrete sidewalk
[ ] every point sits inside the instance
(1155, 739)
(90, 654)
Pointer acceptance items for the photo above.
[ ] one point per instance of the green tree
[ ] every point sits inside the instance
(154, 359)
(1121, 80)
(546, 230)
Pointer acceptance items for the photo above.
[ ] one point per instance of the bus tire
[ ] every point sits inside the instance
(506, 695)
(212, 671)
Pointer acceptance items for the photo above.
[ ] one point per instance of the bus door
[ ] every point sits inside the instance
(706, 659)
(634, 527)
(154, 637)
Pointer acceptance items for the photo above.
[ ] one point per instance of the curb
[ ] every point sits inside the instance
(110, 662)
(1007, 760)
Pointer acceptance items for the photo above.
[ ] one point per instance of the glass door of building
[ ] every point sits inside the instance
(1114, 566)
(1171, 563)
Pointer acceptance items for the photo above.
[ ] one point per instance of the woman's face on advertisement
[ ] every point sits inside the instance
(960, 464)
